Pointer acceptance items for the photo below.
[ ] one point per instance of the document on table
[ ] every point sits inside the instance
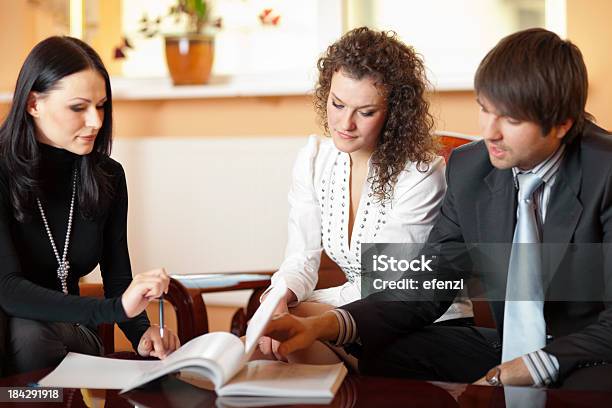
(83, 371)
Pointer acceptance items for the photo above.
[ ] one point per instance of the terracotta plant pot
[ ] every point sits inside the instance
(189, 58)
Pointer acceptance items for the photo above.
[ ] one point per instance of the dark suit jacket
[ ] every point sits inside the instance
(480, 207)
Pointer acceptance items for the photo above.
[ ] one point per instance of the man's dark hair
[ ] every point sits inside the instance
(536, 76)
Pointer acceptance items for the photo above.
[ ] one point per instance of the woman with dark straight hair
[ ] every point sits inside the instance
(63, 210)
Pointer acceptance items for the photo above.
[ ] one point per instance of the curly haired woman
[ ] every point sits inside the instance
(377, 180)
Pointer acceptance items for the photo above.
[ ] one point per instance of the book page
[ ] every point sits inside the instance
(225, 349)
(216, 356)
(93, 372)
(278, 379)
(262, 316)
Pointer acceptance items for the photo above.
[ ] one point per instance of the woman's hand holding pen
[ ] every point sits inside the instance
(144, 288)
(153, 345)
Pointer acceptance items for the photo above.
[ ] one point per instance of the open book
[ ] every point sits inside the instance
(219, 357)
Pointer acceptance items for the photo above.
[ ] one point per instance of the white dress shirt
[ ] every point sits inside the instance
(319, 202)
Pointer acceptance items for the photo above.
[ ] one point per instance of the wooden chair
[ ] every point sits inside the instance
(330, 274)
(452, 140)
(242, 315)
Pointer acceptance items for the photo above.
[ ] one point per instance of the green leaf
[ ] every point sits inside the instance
(199, 6)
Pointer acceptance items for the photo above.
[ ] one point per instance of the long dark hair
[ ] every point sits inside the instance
(48, 62)
(399, 72)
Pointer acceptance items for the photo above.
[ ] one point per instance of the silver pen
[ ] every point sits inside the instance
(161, 316)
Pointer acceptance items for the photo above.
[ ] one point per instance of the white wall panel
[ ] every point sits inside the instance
(207, 205)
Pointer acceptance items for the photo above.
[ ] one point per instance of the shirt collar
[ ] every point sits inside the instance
(547, 169)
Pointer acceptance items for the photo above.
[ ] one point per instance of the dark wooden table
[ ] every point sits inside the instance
(356, 391)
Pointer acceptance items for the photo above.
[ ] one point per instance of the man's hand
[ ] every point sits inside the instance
(513, 372)
(151, 343)
(298, 333)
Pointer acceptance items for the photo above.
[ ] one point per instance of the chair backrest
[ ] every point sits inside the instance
(451, 140)
(330, 274)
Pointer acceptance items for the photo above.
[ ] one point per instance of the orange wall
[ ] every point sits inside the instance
(107, 35)
(590, 29)
(22, 25)
(264, 116)
(455, 111)
(16, 39)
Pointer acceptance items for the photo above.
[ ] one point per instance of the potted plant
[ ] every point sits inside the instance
(189, 54)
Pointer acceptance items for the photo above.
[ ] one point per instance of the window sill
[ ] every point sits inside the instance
(218, 87)
(134, 89)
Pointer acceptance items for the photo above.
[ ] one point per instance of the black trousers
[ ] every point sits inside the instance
(33, 344)
(460, 354)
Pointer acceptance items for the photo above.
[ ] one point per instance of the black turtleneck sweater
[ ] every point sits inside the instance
(29, 286)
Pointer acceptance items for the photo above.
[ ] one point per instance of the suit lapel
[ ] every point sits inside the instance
(496, 211)
(496, 217)
(563, 212)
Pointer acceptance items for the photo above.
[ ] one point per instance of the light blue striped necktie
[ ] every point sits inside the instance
(524, 325)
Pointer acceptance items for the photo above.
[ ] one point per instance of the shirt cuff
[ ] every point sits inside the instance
(543, 367)
(347, 332)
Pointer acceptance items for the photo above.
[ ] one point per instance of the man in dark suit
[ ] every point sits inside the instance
(532, 89)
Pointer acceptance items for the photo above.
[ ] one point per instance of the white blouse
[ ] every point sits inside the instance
(319, 202)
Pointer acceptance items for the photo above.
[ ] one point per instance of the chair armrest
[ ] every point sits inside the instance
(197, 284)
(191, 316)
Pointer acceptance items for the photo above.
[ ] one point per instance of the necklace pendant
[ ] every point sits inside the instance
(62, 270)
(62, 274)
